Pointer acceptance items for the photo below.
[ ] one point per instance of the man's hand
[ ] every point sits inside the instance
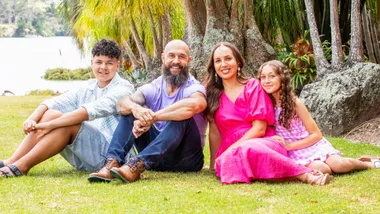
(139, 128)
(29, 125)
(44, 129)
(144, 115)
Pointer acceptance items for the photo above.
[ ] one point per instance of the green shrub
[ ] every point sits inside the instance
(45, 92)
(137, 76)
(67, 74)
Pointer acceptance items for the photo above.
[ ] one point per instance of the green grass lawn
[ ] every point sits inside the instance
(55, 186)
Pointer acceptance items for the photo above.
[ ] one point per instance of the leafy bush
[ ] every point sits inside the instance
(300, 61)
(67, 74)
(44, 92)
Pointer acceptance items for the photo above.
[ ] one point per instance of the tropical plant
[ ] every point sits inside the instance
(137, 76)
(141, 27)
(300, 61)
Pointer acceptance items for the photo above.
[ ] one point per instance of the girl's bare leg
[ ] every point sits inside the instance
(321, 166)
(340, 164)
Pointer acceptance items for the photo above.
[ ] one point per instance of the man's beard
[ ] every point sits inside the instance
(176, 80)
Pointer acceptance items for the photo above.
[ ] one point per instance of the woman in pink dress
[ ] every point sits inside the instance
(300, 134)
(240, 114)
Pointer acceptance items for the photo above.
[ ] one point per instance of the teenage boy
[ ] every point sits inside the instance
(77, 124)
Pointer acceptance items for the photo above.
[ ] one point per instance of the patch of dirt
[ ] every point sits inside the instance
(367, 132)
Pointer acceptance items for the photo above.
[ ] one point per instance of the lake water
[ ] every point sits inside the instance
(23, 61)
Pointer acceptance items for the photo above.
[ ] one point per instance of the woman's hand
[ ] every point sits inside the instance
(279, 139)
(282, 141)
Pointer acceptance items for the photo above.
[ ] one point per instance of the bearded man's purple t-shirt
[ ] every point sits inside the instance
(157, 98)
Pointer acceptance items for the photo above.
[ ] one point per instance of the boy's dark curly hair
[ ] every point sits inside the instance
(106, 47)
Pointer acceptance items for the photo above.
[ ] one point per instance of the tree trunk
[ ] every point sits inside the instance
(378, 22)
(344, 20)
(132, 57)
(325, 31)
(160, 33)
(375, 41)
(223, 21)
(320, 59)
(367, 35)
(235, 26)
(140, 47)
(195, 17)
(196, 20)
(217, 24)
(256, 51)
(156, 44)
(336, 42)
(167, 27)
(356, 50)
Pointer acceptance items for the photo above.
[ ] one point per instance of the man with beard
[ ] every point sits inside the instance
(163, 119)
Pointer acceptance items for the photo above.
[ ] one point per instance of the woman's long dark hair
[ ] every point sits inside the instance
(213, 82)
(287, 96)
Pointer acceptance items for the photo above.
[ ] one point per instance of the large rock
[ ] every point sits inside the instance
(341, 101)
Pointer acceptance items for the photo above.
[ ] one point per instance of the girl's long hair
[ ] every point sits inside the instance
(213, 82)
(287, 96)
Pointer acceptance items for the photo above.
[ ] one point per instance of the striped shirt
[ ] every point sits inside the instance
(101, 107)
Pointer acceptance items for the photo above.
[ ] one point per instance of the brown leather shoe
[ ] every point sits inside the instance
(104, 174)
(129, 172)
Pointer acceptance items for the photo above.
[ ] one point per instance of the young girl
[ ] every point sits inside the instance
(297, 129)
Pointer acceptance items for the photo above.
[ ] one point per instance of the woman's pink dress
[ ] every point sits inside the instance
(259, 158)
(319, 151)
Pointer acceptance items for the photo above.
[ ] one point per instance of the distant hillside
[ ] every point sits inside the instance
(23, 18)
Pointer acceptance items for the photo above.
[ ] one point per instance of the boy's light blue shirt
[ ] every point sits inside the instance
(101, 111)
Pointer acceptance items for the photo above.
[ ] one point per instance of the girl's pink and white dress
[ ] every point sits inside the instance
(254, 159)
(319, 151)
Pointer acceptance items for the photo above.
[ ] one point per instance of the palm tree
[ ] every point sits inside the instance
(142, 27)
